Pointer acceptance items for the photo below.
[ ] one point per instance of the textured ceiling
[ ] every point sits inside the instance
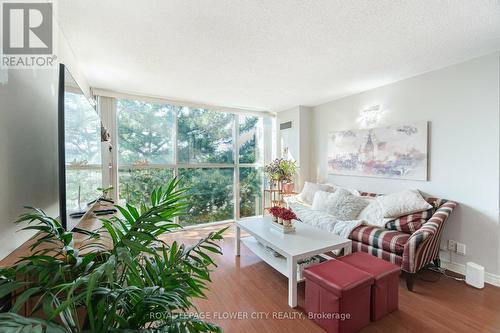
(271, 54)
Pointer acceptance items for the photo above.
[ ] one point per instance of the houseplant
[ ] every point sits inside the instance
(281, 171)
(124, 287)
(287, 215)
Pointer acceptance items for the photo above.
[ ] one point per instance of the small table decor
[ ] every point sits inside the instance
(282, 219)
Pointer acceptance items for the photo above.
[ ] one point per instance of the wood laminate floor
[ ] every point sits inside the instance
(247, 295)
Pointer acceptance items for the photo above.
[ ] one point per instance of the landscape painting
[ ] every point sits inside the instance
(398, 151)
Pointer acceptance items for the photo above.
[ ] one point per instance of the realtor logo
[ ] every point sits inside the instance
(27, 28)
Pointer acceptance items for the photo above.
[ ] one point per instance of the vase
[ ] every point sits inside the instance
(280, 220)
(275, 219)
(287, 223)
(288, 187)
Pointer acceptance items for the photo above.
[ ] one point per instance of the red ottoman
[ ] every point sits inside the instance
(385, 288)
(338, 296)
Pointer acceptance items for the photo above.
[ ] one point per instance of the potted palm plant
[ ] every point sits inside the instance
(139, 283)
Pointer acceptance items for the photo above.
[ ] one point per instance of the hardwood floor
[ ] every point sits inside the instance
(249, 288)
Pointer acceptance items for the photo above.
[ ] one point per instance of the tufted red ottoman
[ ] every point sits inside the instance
(385, 289)
(338, 296)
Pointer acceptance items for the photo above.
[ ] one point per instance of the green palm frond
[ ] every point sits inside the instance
(117, 288)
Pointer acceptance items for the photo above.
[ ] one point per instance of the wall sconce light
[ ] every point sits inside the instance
(370, 116)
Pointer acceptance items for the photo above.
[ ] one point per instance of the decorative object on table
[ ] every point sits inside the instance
(287, 215)
(398, 151)
(281, 228)
(275, 213)
(280, 173)
(284, 219)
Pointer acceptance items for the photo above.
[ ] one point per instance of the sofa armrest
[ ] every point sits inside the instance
(423, 245)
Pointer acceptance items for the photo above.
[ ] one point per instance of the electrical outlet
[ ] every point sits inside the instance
(452, 245)
(461, 248)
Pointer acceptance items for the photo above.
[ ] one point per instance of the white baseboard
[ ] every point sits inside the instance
(489, 278)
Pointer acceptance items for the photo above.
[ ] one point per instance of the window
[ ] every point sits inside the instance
(146, 132)
(205, 136)
(249, 140)
(210, 151)
(210, 194)
(136, 183)
(250, 191)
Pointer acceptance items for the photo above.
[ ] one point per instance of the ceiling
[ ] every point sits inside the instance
(271, 55)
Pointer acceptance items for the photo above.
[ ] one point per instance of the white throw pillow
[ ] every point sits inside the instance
(372, 213)
(345, 206)
(402, 203)
(336, 187)
(322, 200)
(307, 194)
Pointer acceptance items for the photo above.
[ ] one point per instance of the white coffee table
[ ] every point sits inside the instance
(305, 242)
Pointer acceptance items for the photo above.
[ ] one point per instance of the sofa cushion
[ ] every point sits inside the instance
(372, 213)
(410, 223)
(307, 194)
(402, 203)
(341, 204)
(322, 200)
(380, 238)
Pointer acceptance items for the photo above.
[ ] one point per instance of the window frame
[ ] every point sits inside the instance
(176, 165)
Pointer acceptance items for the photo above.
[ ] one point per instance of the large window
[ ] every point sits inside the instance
(217, 155)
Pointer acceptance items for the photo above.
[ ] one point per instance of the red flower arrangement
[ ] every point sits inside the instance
(284, 213)
(275, 211)
(288, 215)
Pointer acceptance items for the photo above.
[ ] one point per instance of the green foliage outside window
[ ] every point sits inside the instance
(136, 184)
(210, 194)
(203, 136)
(145, 132)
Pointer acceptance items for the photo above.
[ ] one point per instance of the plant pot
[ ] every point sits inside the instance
(288, 187)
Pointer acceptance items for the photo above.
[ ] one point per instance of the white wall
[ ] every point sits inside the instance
(461, 103)
(28, 150)
(28, 141)
(297, 139)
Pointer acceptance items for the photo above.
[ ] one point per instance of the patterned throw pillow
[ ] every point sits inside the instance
(345, 206)
(411, 222)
